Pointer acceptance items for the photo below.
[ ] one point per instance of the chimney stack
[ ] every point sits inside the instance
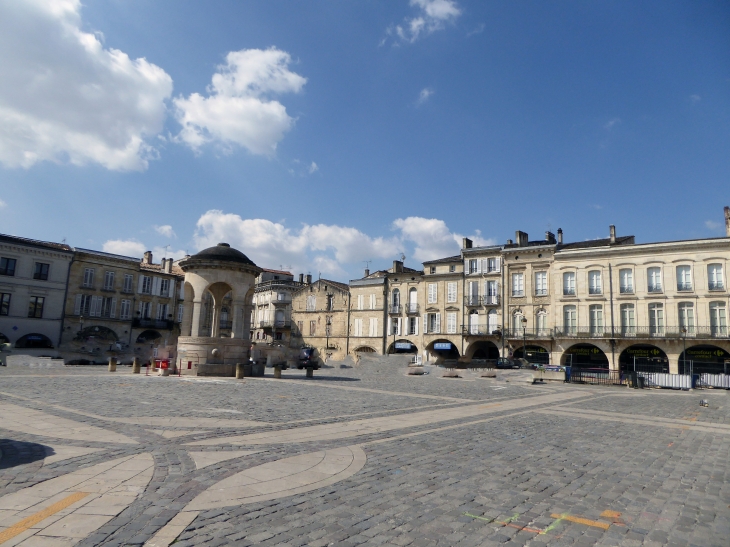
(148, 257)
(367, 272)
(301, 278)
(549, 237)
(309, 279)
(612, 232)
(397, 266)
(509, 242)
(727, 221)
(560, 236)
(167, 265)
(521, 238)
(466, 243)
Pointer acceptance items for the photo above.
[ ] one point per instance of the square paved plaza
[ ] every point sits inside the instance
(359, 455)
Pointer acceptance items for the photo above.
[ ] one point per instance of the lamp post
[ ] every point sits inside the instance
(524, 338)
(328, 323)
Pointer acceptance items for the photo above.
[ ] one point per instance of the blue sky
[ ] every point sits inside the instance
(335, 132)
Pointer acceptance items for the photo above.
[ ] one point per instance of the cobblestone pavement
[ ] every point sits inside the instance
(363, 455)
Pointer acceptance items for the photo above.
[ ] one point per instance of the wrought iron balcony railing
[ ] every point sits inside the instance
(153, 324)
(395, 309)
(626, 289)
(472, 300)
(275, 324)
(411, 308)
(528, 332)
(491, 300)
(652, 331)
(568, 291)
(655, 287)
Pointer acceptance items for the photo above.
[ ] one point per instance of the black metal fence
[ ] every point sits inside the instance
(597, 376)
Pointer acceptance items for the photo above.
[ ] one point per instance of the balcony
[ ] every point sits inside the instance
(491, 300)
(626, 289)
(153, 324)
(274, 325)
(411, 309)
(529, 332)
(644, 332)
(226, 325)
(595, 290)
(395, 309)
(472, 300)
(517, 293)
(480, 330)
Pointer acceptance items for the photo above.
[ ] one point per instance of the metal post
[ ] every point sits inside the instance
(524, 337)
(684, 353)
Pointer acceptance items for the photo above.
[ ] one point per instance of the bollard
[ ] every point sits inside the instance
(112, 364)
(135, 366)
(310, 372)
(239, 371)
(277, 372)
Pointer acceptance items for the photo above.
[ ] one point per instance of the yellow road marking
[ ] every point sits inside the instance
(28, 522)
(580, 520)
(610, 514)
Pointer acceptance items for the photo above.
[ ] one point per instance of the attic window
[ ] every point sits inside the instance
(276, 277)
(517, 258)
(432, 269)
(452, 268)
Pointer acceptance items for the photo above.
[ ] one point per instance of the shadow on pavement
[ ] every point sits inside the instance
(14, 453)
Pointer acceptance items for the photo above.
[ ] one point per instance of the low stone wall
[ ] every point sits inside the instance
(208, 369)
(549, 376)
(24, 361)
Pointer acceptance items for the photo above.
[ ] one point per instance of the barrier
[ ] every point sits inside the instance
(715, 380)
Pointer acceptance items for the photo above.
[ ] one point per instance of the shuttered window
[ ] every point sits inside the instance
(432, 293)
(451, 292)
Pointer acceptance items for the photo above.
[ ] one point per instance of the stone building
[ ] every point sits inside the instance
(271, 320)
(442, 301)
(320, 317)
(368, 314)
(33, 281)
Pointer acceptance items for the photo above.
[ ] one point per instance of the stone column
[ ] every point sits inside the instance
(197, 308)
(215, 324)
(112, 364)
(135, 366)
(673, 362)
(237, 330)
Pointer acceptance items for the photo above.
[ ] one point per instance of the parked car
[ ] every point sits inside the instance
(507, 362)
(308, 358)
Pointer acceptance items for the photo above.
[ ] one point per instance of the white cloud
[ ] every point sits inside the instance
(3, 204)
(611, 123)
(695, 98)
(126, 247)
(480, 28)
(432, 237)
(64, 97)
(432, 16)
(238, 109)
(166, 252)
(165, 230)
(712, 225)
(313, 168)
(424, 95)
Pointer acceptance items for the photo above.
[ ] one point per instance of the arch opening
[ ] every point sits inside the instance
(148, 336)
(644, 358)
(483, 350)
(96, 334)
(402, 346)
(443, 350)
(533, 354)
(585, 356)
(704, 358)
(34, 340)
(364, 349)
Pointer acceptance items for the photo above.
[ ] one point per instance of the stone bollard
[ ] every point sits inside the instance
(277, 372)
(310, 372)
(112, 364)
(135, 366)
(239, 371)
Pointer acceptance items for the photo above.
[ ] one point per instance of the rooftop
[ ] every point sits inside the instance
(35, 243)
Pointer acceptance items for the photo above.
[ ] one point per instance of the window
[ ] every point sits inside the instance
(35, 307)
(715, 281)
(472, 298)
(128, 281)
(492, 265)
(433, 323)
(718, 319)
(473, 266)
(491, 293)
(145, 309)
(626, 281)
(540, 283)
(373, 326)
(432, 269)
(312, 328)
(656, 319)
(360, 301)
(687, 317)
(83, 305)
(108, 281)
(311, 303)
(412, 300)
(654, 276)
(146, 284)
(108, 307)
(541, 323)
(451, 292)
(300, 328)
(357, 327)
(595, 313)
(452, 268)
(394, 326)
(330, 302)
(372, 301)
(518, 284)
(125, 310)
(162, 314)
(278, 336)
(395, 304)
(451, 323)
(628, 320)
(594, 282)
(492, 324)
(570, 320)
(569, 283)
(684, 278)
(4, 304)
(88, 277)
(412, 326)
(164, 287)
(432, 293)
(41, 271)
(517, 323)
(7, 266)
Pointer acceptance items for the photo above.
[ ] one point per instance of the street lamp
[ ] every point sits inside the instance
(327, 325)
(524, 338)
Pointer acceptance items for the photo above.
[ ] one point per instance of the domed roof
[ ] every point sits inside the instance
(224, 252)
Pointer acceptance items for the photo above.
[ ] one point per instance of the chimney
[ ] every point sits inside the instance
(301, 278)
(560, 236)
(549, 237)
(727, 221)
(148, 257)
(466, 243)
(612, 232)
(367, 272)
(309, 279)
(521, 238)
(167, 265)
(509, 242)
(397, 266)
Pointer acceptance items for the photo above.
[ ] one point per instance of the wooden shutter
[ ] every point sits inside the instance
(398, 327)
(479, 266)
(113, 311)
(140, 283)
(438, 322)
(466, 265)
(415, 319)
(156, 286)
(425, 323)
(77, 305)
(485, 266)
(171, 292)
(390, 325)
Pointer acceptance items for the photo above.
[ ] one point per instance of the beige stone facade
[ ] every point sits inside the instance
(272, 305)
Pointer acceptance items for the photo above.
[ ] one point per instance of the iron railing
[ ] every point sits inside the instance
(597, 376)
(275, 324)
(411, 308)
(479, 330)
(715, 286)
(225, 325)
(472, 300)
(529, 332)
(491, 300)
(684, 286)
(395, 309)
(715, 332)
(153, 324)
(657, 287)
(626, 289)
(568, 292)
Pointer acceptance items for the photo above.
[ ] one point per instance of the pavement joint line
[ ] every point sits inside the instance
(28, 522)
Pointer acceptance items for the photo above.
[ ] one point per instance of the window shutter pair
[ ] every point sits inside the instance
(140, 284)
(156, 286)
(415, 320)
(77, 305)
(171, 291)
(360, 300)
(113, 310)
(432, 295)
(390, 325)
(425, 323)
(438, 322)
